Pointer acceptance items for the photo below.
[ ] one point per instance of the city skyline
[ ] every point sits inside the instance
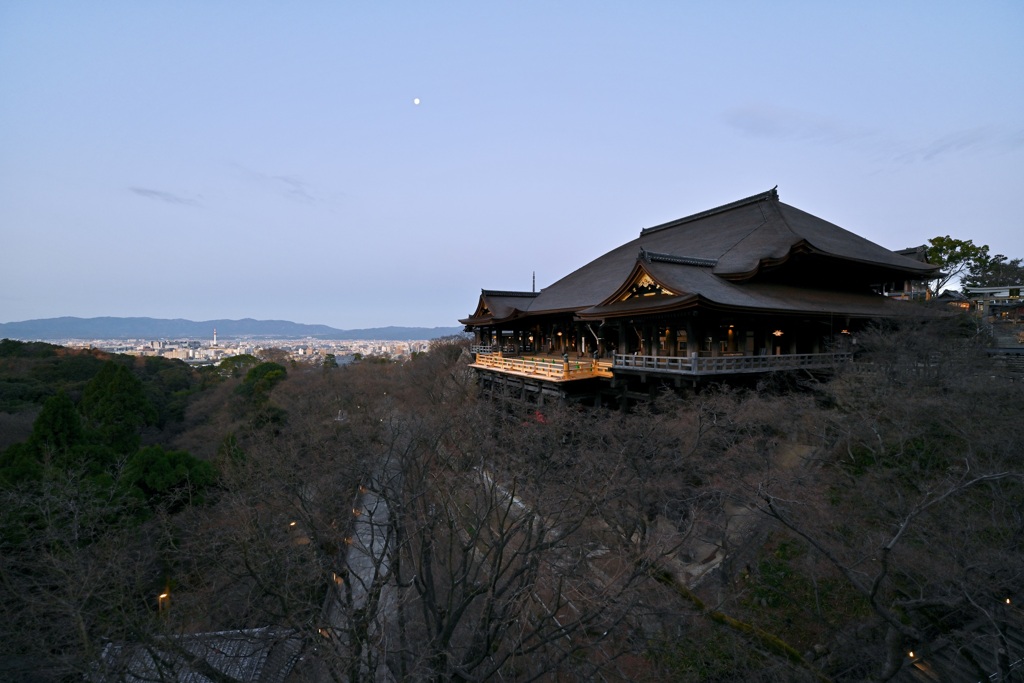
(366, 166)
(65, 328)
(203, 352)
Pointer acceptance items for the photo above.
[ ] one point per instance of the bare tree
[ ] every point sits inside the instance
(75, 571)
(914, 499)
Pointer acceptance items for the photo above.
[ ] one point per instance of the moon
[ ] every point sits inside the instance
(416, 101)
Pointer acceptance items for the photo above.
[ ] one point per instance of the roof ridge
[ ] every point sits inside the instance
(652, 256)
(500, 292)
(771, 194)
(764, 222)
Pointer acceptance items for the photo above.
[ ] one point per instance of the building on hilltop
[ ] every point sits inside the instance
(911, 289)
(749, 287)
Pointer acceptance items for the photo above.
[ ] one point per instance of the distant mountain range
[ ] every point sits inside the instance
(49, 329)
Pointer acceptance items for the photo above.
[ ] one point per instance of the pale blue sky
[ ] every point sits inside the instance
(226, 159)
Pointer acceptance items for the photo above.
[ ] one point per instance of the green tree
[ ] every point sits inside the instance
(18, 464)
(261, 379)
(58, 427)
(955, 258)
(994, 271)
(12, 348)
(59, 442)
(234, 366)
(171, 476)
(115, 403)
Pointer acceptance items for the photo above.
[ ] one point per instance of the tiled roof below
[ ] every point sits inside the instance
(201, 658)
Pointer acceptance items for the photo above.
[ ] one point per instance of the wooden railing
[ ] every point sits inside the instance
(505, 349)
(560, 370)
(556, 369)
(727, 365)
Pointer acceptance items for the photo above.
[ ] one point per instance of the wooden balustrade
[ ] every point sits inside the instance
(546, 368)
(508, 349)
(482, 348)
(728, 365)
(559, 370)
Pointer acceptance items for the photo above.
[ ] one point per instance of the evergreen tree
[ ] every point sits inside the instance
(57, 429)
(115, 403)
(996, 271)
(174, 477)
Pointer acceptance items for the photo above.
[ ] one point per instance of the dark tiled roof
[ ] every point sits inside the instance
(497, 306)
(770, 194)
(918, 253)
(253, 655)
(740, 242)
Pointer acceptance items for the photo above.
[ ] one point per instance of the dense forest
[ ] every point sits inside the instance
(380, 521)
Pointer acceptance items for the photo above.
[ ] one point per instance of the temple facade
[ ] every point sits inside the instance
(750, 287)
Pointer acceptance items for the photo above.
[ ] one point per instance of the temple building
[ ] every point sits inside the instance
(754, 286)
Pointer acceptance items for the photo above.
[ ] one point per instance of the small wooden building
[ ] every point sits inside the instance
(754, 286)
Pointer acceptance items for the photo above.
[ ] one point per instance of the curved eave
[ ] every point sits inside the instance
(769, 262)
(498, 306)
(493, 320)
(844, 304)
(787, 300)
(805, 248)
(569, 310)
(643, 306)
(871, 311)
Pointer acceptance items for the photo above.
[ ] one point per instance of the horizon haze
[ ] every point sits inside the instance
(106, 327)
(354, 165)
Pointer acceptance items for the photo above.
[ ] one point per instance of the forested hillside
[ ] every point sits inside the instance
(344, 521)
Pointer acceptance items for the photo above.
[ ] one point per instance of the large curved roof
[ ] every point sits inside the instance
(738, 255)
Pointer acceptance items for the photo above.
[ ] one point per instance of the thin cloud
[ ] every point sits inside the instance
(769, 122)
(965, 141)
(287, 186)
(293, 188)
(162, 196)
(776, 123)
